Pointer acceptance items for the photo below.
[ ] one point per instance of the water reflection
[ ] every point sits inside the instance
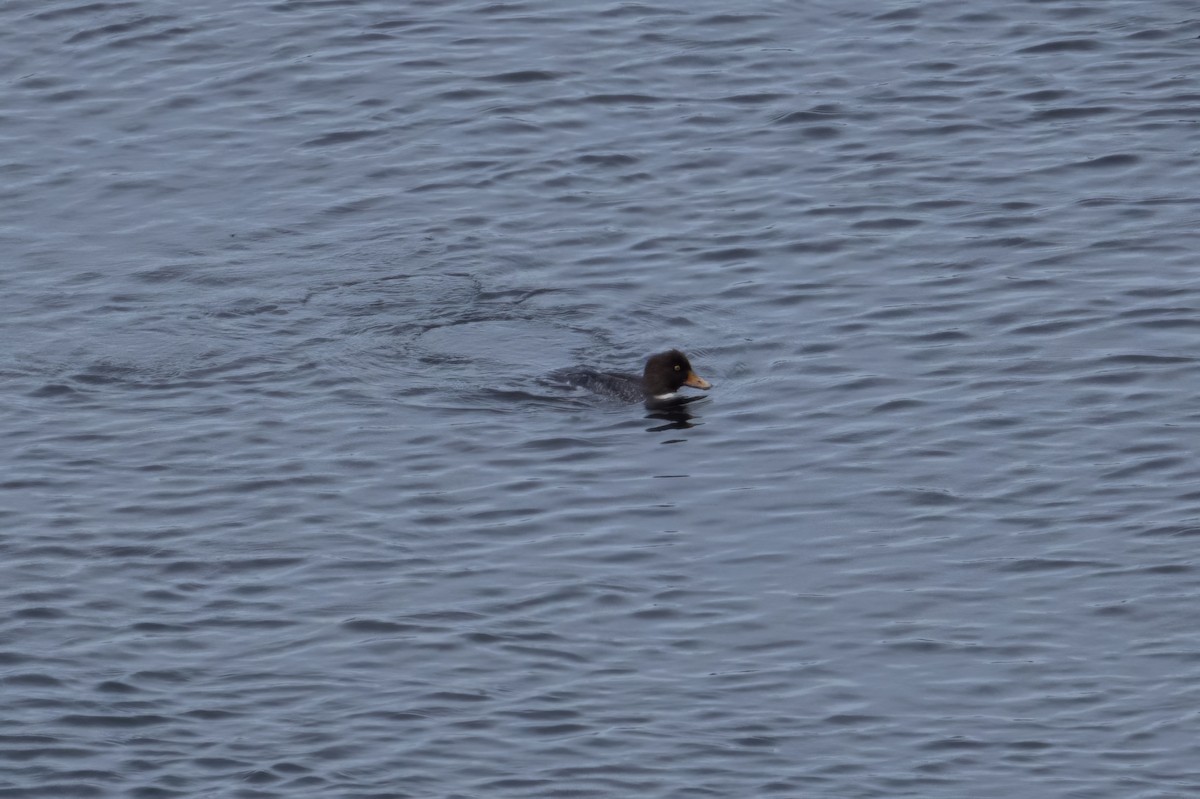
(673, 412)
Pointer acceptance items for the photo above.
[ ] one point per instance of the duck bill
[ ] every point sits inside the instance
(696, 381)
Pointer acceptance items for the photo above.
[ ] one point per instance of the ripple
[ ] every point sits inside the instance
(1062, 46)
(292, 472)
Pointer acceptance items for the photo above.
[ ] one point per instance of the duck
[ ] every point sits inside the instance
(663, 376)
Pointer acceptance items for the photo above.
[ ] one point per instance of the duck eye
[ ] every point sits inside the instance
(676, 367)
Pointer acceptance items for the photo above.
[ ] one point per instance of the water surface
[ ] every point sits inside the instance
(293, 507)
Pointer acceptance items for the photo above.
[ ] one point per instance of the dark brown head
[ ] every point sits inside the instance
(667, 372)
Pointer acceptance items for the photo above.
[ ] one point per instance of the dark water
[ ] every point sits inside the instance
(291, 508)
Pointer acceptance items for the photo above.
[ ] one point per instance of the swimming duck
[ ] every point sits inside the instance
(664, 375)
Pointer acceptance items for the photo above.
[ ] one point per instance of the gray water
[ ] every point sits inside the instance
(293, 506)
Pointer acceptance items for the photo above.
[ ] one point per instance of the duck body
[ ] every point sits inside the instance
(661, 379)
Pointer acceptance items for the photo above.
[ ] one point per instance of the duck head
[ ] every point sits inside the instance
(669, 371)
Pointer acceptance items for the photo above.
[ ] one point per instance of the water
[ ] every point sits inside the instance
(292, 505)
